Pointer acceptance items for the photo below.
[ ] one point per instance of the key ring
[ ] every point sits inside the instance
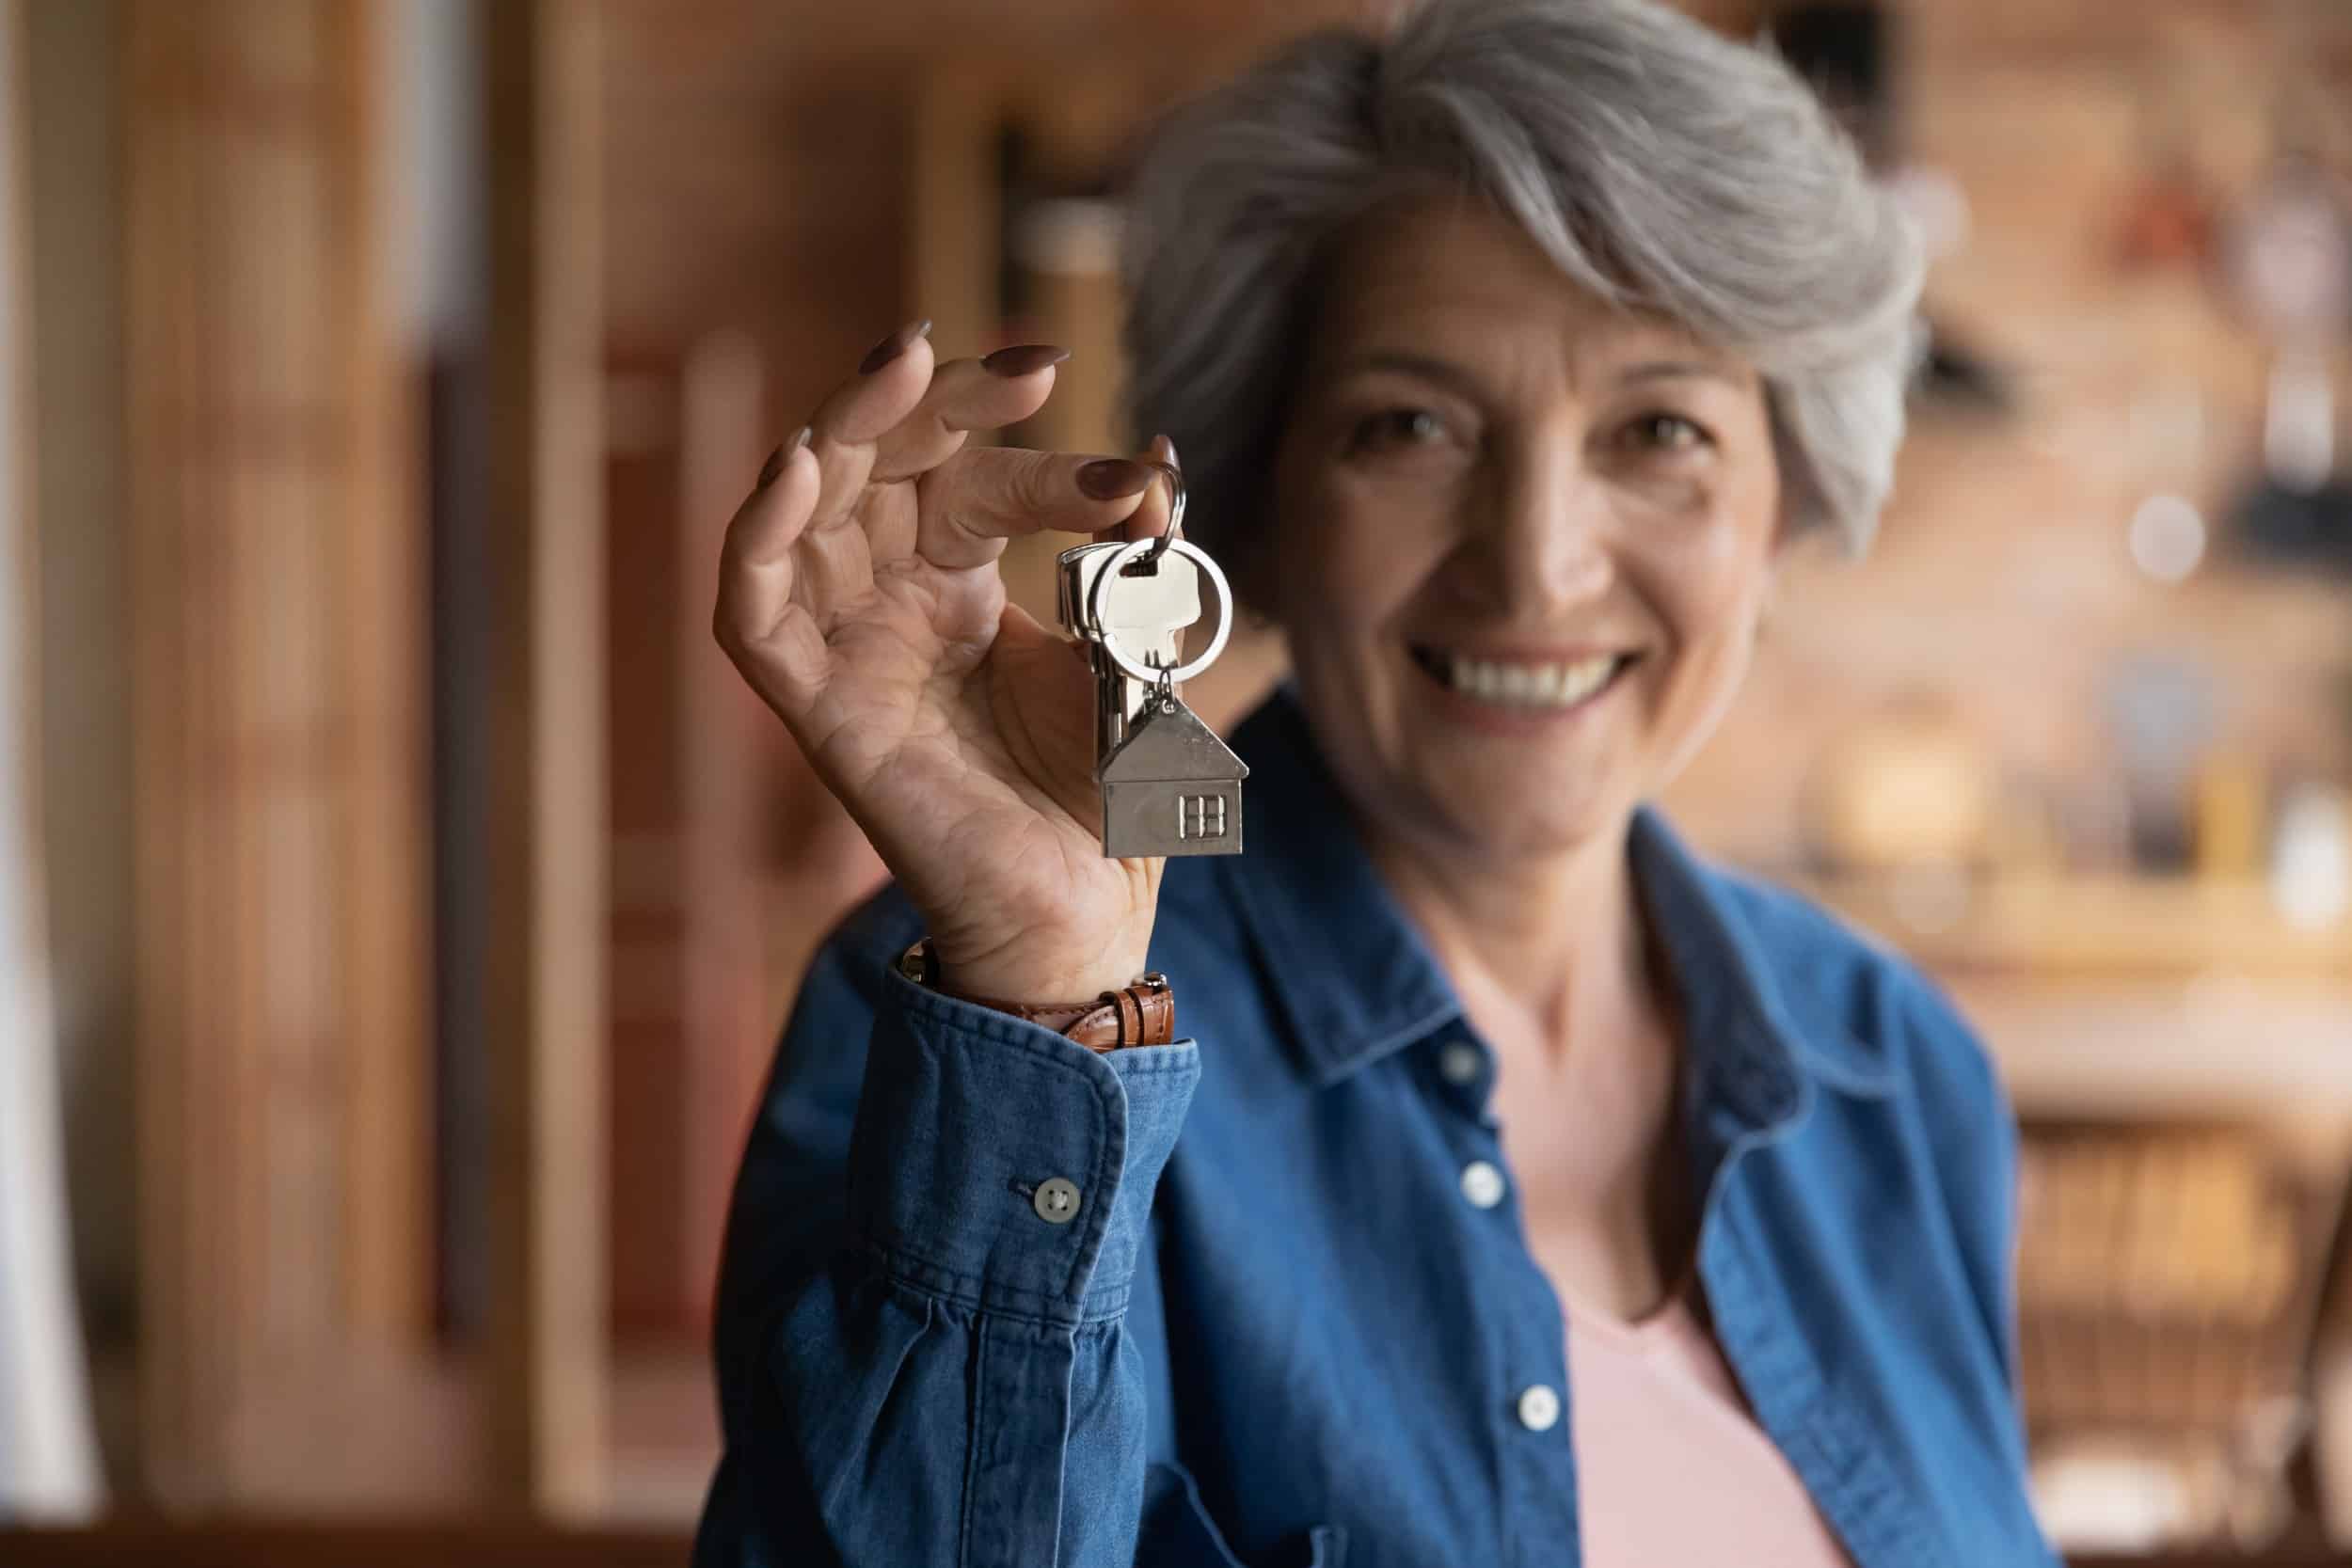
(1153, 675)
(1175, 509)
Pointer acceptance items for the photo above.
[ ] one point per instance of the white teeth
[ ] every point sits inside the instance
(1531, 685)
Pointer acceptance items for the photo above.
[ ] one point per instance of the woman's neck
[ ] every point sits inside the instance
(1545, 950)
(1553, 961)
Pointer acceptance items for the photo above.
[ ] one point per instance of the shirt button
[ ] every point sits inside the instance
(1481, 1184)
(1460, 1063)
(1539, 1407)
(1057, 1200)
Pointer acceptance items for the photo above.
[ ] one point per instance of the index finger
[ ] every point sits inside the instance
(969, 505)
(1153, 516)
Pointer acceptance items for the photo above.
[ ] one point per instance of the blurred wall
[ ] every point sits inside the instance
(760, 168)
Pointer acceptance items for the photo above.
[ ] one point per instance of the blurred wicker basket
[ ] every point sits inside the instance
(2168, 1280)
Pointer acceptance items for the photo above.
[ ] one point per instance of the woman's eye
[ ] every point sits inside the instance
(1396, 427)
(1665, 433)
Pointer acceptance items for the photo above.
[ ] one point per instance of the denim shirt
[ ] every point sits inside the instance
(1272, 1331)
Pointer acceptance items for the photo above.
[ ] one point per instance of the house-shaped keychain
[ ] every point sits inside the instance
(1171, 789)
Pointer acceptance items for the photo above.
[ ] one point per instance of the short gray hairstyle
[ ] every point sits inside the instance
(1664, 168)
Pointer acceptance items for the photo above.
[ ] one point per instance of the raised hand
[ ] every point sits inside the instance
(859, 597)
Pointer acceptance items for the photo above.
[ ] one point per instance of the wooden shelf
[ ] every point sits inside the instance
(2130, 995)
(2090, 926)
(2155, 1046)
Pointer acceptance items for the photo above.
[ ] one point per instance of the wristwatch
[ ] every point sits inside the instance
(1144, 1013)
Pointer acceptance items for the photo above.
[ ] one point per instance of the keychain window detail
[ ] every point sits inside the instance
(1200, 816)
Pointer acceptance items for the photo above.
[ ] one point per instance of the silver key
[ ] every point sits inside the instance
(1170, 786)
(1148, 614)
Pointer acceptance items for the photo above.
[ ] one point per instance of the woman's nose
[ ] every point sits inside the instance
(1546, 542)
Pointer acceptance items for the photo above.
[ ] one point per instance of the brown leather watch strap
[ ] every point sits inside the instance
(1143, 1013)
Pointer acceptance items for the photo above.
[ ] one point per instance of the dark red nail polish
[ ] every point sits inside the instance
(891, 347)
(776, 459)
(1023, 359)
(1108, 478)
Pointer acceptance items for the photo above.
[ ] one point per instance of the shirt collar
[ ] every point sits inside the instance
(1356, 981)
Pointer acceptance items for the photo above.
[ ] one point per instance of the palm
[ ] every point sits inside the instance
(963, 726)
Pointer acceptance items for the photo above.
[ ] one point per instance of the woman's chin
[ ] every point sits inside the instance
(1503, 821)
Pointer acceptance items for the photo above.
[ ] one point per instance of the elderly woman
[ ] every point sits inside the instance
(1525, 1190)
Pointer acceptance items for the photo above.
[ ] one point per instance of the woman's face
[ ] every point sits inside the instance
(1520, 540)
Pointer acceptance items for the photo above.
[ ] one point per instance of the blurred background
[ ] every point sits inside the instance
(399, 896)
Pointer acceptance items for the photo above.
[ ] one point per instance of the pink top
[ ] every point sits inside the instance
(1671, 1468)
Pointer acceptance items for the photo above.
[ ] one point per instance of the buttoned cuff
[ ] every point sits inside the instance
(996, 1163)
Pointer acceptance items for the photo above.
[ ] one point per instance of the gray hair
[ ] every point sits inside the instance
(1665, 169)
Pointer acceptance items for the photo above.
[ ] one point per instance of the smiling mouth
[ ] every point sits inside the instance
(1525, 685)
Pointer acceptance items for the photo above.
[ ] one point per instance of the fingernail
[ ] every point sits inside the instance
(776, 459)
(1107, 479)
(892, 346)
(1173, 461)
(1023, 359)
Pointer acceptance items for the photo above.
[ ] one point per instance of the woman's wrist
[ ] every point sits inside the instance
(1141, 1011)
(1044, 974)
(1038, 984)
